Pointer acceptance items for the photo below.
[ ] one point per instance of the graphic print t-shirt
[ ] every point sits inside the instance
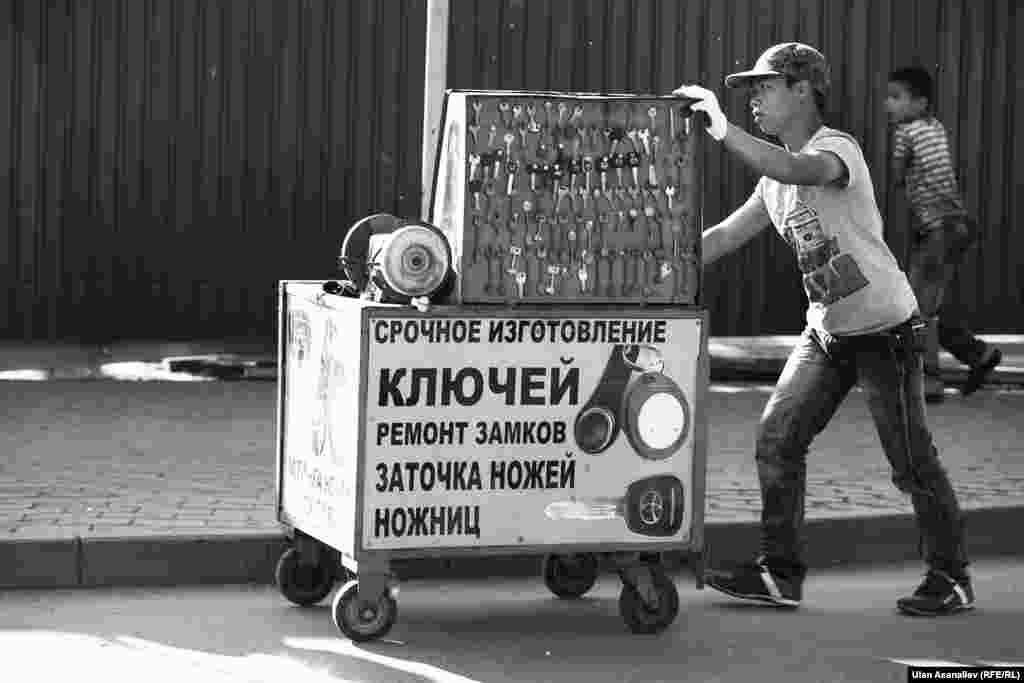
(853, 282)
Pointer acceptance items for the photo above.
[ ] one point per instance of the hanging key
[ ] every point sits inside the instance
(477, 106)
(633, 134)
(686, 122)
(474, 130)
(645, 138)
(613, 260)
(505, 108)
(653, 230)
(499, 162)
(508, 139)
(557, 174)
(512, 170)
(548, 108)
(653, 113)
(633, 161)
(486, 162)
(531, 112)
(656, 270)
(516, 252)
(475, 186)
(582, 275)
(603, 164)
(650, 273)
(683, 280)
(517, 112)
(670, 192)
(542, 220)
(521, 283)
(553, 273)
(563, 109)
(575, 169)
(564, 228)
(609, 140)
(474, 165)
(677, 230)
(588, 167)
(619, 164)
(493, 135)
(564, 202)
(627, 281)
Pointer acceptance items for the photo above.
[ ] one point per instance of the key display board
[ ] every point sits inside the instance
(550, 198)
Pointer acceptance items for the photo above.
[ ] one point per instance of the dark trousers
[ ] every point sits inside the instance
(936, 256)
(818, 375)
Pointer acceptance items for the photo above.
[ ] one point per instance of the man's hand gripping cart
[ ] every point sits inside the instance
(523, 374)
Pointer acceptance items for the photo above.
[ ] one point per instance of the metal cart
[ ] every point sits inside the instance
(565, 432)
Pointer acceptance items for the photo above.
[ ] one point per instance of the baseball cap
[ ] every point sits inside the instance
(795, 60)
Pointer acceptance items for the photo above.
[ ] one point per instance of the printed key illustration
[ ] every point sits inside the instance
(651, 506)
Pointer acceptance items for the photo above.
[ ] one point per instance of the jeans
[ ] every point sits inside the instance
(935, 257)
(818, 375)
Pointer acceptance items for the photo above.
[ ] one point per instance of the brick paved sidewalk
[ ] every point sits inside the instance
(125, 459)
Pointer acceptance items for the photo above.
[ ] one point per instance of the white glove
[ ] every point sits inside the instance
(709, 105)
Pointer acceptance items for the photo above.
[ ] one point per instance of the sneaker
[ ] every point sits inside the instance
(939, 594)
(980, 372)
(755, 581)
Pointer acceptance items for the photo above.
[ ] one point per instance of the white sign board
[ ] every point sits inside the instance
(318, 463)
(512, 431)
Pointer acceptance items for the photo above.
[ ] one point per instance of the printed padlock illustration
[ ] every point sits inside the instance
(634, 395)
(652, 507)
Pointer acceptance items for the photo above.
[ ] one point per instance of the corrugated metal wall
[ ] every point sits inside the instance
(654, 45)
(166, 161)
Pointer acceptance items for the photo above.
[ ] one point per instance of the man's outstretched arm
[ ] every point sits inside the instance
(801, 168)
(735, 231)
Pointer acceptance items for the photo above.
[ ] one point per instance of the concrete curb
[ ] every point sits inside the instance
(250, 558)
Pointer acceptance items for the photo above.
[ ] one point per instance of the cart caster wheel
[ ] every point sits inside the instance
(305, 585)
(643, 618)
(570, 576)
(361, 621)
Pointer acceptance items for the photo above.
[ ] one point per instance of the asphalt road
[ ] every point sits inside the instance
(503, 631)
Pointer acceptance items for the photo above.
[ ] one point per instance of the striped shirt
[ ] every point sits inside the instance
(922, 147)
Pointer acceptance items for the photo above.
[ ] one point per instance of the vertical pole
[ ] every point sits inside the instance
(435, 74)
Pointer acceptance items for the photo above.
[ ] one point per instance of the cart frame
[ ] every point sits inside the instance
(373, 567)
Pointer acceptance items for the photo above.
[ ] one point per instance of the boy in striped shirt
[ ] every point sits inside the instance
(923, 163)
